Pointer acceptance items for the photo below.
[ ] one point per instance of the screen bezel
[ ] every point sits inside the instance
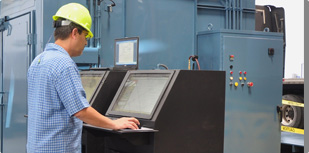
(93, 73)
(113, 113)
(126, 67)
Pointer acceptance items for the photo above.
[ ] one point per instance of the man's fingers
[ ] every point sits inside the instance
(132, 119)
(134, 125)
(128, 122)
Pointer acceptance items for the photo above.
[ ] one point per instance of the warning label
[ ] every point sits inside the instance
(291, 129)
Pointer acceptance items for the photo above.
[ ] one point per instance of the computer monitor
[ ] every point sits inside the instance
(140, 93)
(126, 53)
(90, 81)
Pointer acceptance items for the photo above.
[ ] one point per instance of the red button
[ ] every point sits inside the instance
(231, 72)
(231, 57)
(245, 72)
(240, 72)
(250, 84)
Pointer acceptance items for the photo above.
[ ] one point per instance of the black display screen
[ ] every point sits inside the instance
(90, 81)
(139, 95)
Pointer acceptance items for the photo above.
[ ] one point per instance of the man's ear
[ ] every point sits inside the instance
(74, 33)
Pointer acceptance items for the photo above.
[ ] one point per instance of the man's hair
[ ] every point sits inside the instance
(63, 32)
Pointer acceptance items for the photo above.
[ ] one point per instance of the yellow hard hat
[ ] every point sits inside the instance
(76, 13)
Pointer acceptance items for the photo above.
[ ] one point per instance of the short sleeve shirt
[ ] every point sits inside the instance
(55, 94)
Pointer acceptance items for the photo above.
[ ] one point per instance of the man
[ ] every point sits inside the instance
(57, 104)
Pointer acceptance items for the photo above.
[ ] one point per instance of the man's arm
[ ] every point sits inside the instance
(91, 116)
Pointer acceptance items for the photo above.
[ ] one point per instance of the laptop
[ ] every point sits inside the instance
(126, 53)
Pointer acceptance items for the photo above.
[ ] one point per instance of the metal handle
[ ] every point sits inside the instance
(2, 104)
(26, 116)
(279, 111)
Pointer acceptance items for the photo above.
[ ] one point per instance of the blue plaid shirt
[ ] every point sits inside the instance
(55, 94)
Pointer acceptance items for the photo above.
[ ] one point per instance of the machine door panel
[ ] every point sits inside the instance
(16, 57)
(251, 111)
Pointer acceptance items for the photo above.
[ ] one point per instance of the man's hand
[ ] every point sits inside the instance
(126, 122)
(91, 116)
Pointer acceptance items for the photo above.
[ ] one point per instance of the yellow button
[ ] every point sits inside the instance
(240, 78)
(236, 84)
(231, 78)
(245, 78)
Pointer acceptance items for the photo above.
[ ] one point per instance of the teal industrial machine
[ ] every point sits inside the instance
(221, 35)
(218, 34)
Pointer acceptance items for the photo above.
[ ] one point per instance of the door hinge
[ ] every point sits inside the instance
(2, 26)
(31, 39)
(3, 23)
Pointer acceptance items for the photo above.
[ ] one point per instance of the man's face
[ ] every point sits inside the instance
(81, 42)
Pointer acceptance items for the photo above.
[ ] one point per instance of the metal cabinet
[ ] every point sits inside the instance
(253, 63)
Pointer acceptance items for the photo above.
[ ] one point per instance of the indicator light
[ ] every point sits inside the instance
(231, 57)
(245, 72)
(236, 84)
(231, 72)
(240, 72)
(240, 78)
(231, 83)
(231, 78)
(245, 78)
(250, 84)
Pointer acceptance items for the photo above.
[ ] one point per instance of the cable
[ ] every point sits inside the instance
(50, 37)
(162, 65)
(198, 64)
(189, 63)
(113, 3)
(194, 58)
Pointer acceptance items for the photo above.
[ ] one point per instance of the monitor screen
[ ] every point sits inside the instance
(139, 95)
(90, 81)
(126, 53)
